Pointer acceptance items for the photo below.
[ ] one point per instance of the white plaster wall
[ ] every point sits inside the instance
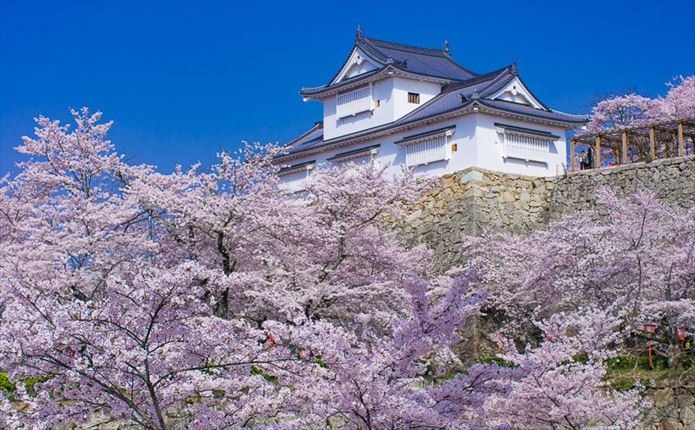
(351, 67)
(393, 156)
(392, 94)
(401, 88)
(358, 69)
(334, 127)
(489, 148)
(478, 144)
(523, 95)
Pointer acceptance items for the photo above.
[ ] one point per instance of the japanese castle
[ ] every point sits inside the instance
(395, 105)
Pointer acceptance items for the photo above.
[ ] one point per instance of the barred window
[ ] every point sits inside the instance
(359, 160)
(354, 102)
(414, 98)
(294, 179)
(426, 151)
(525, 147)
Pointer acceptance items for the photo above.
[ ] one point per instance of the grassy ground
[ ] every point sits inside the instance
(627, 372)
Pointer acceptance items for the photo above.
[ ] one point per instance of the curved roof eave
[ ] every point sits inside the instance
(563, 120)
(373, 75)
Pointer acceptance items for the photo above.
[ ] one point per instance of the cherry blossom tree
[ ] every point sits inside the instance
(621, 111)
(212, 299)
(634, 110)
(631, 110)
(679, 103)
(633, 257)
(551, 388)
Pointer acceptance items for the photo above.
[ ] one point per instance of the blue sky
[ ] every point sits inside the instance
(183, 80)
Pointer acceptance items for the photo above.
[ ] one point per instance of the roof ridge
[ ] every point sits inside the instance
(317, 124)
(345, 81)
(422, 107)
(374, 45)
(550, 111)
(476, 79)
(403, 47)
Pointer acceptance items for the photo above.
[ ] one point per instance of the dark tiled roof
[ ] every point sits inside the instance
(296, 166)
(433, 63)
(465, 90)
(345, 82)
(314, 134)
(353, 152)
(425, 134)
(483, 85)
(527, 130)
(525, 110)
(441, 104)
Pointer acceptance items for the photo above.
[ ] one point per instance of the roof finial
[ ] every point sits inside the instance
(445, 48)
(515, 69)
(358, 36)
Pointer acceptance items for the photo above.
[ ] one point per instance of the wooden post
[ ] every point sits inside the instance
(623, 149)
(681, 140)
(652, 143)
(572, 161)
(597, 152)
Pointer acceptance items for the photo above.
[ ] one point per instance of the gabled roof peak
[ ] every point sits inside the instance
(499, 74)
(429, 63)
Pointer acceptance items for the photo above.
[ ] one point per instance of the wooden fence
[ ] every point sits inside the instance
(628, 145)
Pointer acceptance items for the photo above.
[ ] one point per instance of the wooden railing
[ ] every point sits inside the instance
(631, 144)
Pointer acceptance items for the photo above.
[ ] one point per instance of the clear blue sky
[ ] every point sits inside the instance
(183, 80)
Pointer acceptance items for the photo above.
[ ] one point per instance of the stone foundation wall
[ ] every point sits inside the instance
(673, 180)
(673, 404)
(477, 201)
(474, 202)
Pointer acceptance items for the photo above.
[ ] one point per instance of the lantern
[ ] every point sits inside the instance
(649, 328)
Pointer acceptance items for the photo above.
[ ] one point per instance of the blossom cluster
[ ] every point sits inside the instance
(212, 299)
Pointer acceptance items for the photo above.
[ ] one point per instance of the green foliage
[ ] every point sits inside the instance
(5, 384)
(9, 387)
(628, 363)
(686, 362)
(320, 362)
(626, 372)
(629, 383)
(623, 362)
(493, 359)
(270, 378)
(582, 358)
(30, 383)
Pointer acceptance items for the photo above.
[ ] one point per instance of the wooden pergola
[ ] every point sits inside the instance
(642, 143)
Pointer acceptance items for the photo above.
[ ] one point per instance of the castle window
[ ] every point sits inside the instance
(414, 98)
(358, 160)
(293, 177)
(427, 147)
(359, 156)
(426, 151)
(529, 148)
(525, 144)
(354, 102)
